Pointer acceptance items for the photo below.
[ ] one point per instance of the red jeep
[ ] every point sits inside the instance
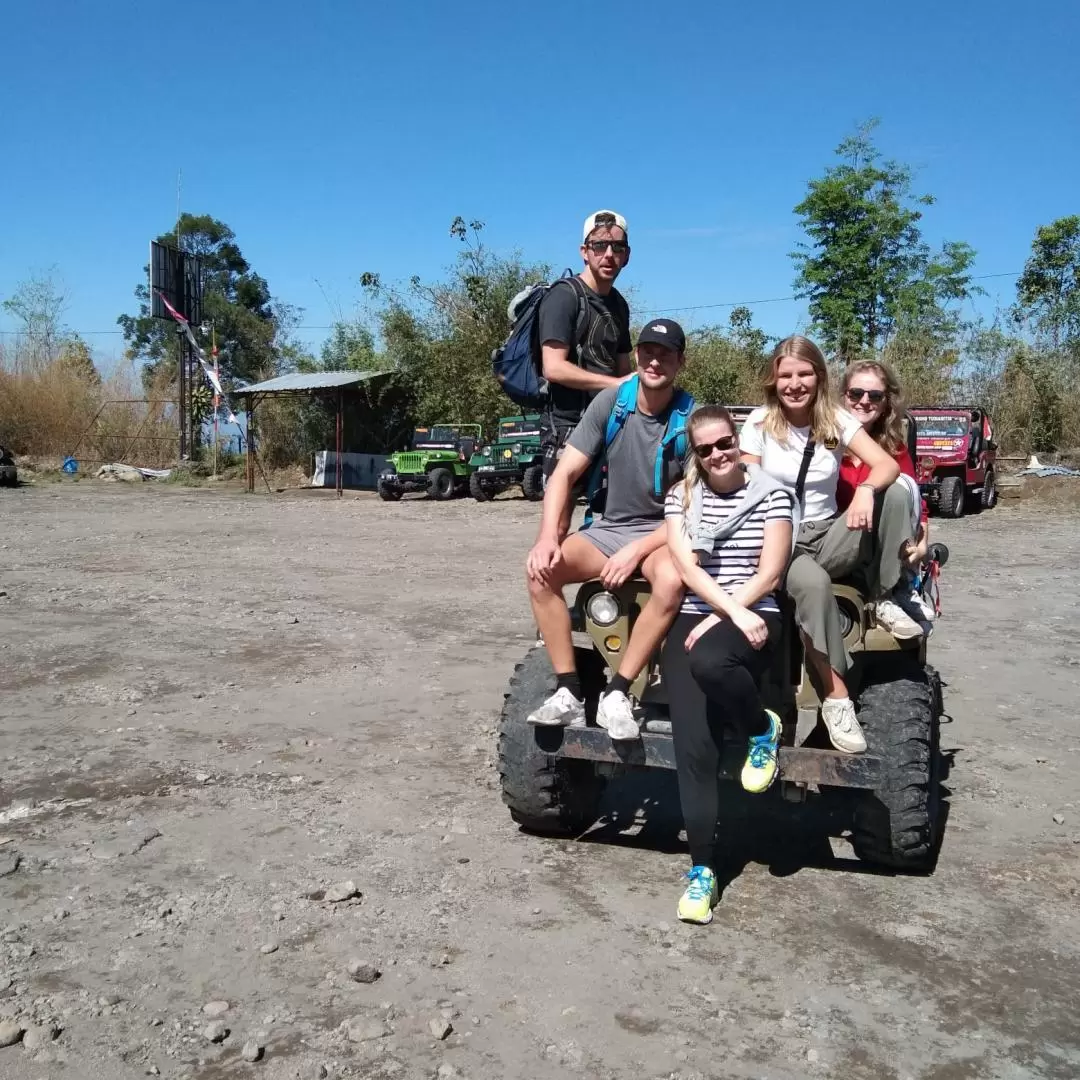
(955, 456)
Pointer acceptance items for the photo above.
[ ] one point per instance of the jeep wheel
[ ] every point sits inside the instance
(441, 484)
(898, 824)
(532, 483)
(477, 489)
(546, 794)
(989, 491)
(951, 497)
(387, 491)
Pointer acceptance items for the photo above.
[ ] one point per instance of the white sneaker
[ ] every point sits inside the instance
(616, 715)
(562, 709)
(891, 617)
(843, 726)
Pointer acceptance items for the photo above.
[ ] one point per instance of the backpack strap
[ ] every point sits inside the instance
(681, 407)
(804, 468)
(625, 404)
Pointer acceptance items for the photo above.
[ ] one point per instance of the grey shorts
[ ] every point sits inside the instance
(610, 537)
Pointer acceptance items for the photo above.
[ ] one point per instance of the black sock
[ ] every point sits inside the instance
(619, 682)
(572, 682)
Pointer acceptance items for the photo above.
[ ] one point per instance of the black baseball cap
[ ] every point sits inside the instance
(664, 332)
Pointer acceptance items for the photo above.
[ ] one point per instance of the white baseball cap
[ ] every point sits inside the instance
(603, 217)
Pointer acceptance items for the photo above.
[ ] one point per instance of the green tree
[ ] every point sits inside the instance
(866, 270)
(439, 337)
(236, 301)
(350, 347)
(1048, 291)
(75, 357)
(725, 366)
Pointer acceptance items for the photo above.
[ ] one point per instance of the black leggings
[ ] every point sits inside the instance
(716, 683)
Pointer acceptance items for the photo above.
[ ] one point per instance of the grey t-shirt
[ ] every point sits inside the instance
(606, 336)
(631, 460)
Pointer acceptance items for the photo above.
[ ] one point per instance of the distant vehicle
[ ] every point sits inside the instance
(437, 464)
(956, 459)
(515, 457)
(9, 474)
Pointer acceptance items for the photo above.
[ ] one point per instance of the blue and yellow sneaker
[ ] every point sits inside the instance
(759, 769)
(701, 896)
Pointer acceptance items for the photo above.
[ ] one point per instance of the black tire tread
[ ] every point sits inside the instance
(545, 794)
(953, 505)
(897, 824)
(476, 488)
(532, 483)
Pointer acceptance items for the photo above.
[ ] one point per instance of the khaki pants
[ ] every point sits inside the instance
(827, 550)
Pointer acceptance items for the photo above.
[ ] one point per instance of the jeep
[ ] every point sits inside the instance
(437, 464)
(552, 778)
(955, 460)
(513, 458)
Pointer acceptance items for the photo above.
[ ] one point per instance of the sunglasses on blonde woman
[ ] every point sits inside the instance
(728, 442)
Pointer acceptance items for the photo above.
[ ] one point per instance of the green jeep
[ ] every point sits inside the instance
(437, 464)
(513, 458)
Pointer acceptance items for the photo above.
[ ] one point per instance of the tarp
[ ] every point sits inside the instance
(359, 471)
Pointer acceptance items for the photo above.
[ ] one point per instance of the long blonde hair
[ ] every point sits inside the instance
(888, 429)
(692, 474)
(823, 421)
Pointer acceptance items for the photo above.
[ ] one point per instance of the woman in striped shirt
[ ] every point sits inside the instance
(729, 532)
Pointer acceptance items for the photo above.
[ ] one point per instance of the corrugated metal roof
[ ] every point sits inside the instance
(311, 380)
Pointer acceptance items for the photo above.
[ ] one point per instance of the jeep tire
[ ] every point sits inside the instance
(988, 499)
(388, 492)
(897, 824)
(532, 483)
(441, 484)
(951, 497)
(477, 489)
(545, 794)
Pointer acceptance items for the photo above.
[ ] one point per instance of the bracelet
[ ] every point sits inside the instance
(866, 483)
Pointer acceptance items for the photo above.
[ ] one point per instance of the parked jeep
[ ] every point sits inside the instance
(437, 464)
(956, 459)
(9, 473)
(513, 458)
(888, 797)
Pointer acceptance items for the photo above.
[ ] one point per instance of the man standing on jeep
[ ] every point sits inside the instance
(584, 329)
(629, 535)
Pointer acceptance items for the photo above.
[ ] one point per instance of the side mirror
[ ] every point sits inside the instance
(938, 553)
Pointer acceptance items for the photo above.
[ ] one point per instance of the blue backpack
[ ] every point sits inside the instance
(517, 363)
(626, 403)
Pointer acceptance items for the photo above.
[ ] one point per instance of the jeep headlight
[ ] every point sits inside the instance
(487, 451)
(603, 609)
(517, 448)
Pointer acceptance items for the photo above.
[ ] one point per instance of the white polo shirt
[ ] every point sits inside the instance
(783, 462)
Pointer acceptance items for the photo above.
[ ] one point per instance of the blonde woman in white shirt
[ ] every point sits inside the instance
(799, 406)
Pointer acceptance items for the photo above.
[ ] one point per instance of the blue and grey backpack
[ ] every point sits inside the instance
(517, 363)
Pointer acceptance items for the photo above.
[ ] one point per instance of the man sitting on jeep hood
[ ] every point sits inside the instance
(630, 534)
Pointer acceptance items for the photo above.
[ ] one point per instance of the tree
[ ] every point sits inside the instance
(75, 357)
(867, 271)
(1048, 291)
(439, 337)
(236, 301)
(38, 305)
(726, 366)
(350, 347)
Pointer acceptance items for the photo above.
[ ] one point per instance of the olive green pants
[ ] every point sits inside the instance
(828, 550)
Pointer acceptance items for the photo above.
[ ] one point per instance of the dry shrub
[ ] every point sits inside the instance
(48, 409)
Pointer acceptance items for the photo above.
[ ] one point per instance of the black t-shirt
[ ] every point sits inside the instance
(606, 336)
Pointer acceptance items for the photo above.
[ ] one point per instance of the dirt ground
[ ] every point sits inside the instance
(217, 709)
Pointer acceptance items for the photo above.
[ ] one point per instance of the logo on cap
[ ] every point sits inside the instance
(658, 328)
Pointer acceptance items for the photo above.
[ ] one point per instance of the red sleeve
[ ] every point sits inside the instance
(852, 473)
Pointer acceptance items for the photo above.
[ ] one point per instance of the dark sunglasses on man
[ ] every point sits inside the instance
(855, 395)
(598, 247)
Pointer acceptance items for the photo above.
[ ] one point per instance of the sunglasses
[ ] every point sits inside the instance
(598, 247)
(727, 443)
(855, 395)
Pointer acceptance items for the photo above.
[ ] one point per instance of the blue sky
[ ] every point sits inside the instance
(338, 137)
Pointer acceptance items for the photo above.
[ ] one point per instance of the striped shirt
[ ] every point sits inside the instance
(733, 561)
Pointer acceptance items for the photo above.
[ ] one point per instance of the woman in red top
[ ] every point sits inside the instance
(872, 395)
